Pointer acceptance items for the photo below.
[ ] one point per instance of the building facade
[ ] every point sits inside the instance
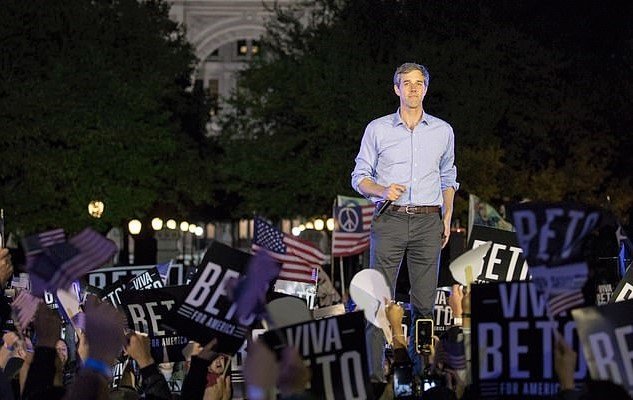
(225, 35)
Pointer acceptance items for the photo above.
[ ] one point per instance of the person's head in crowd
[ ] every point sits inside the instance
(216, 369)
(218, 365)
(62, 351)
(167, 369)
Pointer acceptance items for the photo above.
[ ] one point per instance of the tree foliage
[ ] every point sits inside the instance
(94, 105)
(524, 121)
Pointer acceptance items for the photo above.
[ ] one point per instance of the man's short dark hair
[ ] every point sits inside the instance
(408, 67)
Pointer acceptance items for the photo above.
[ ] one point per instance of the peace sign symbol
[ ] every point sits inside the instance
(348, 219)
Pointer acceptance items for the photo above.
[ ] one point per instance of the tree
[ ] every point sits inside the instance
(523, 126)
(94, 104)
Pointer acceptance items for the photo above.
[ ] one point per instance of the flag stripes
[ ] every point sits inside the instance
(349, 243)
(298, 259)
(94, 251)
(564, 302)
(24, 308)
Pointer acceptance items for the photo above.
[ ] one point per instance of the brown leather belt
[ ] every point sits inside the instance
(416, 209)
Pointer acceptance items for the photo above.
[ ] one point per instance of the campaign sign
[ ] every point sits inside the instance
(207, 311)
(606, 334)
(334, 350)
(112, 293)
(504, 262)
(49, 300)
(553, 233)
(624, 290)
(512, 342)
(147, 279)
(604, 293)
(104, 277)
(442, 312)
(146, 310)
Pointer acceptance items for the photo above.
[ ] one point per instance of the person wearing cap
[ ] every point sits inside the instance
(405, 165)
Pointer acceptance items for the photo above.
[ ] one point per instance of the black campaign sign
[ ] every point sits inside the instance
(149, 279)
(624, 290)
(504, 261)
(334, 350)
(147, 310)
(512, 342)
(553, 234)
(106, 276)
(606, 333)
(145, 280)
(207, 311)
(442, 312)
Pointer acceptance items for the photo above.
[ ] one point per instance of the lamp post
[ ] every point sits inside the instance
(184, 228)
(134, 227)
(192, 230)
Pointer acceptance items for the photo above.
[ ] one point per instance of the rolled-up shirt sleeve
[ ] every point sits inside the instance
(366, 159)
(448, 170)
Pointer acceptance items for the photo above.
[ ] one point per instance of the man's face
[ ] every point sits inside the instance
(411, 89)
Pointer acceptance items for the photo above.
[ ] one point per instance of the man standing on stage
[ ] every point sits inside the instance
(407, 158)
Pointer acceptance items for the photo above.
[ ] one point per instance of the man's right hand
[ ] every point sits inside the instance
(393, 192)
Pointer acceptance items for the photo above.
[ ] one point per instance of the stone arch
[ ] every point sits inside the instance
(216, 36)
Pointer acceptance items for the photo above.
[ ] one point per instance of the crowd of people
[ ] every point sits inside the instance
(37, 363)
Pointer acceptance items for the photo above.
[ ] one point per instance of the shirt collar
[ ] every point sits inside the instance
(397, 119)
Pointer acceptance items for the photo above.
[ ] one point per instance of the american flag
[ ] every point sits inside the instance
(55, 263)
(24, 308)
(299, 260)
(566, 301)
(35, 244)
(352, 226)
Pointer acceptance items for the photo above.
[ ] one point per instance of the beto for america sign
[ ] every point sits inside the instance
(207, 311)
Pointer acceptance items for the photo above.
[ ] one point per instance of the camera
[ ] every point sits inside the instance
(423, 335)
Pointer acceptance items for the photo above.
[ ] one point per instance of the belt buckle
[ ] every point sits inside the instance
(406, 209)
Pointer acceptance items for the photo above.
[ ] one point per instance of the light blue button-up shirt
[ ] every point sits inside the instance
(422, 160)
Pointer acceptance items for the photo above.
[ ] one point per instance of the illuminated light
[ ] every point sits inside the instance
(184, 226)
(302, 228)
(192, 228)
(95, 208)
(330, 224)
(171, 224)
(199, 231)
(157, 224)
(134, 226)
(319, 224)
(309, 225)
(296, 231)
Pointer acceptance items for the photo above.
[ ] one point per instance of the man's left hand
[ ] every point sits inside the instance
(447, 232)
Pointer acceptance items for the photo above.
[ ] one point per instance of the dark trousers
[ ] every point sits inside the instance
(392, 234)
